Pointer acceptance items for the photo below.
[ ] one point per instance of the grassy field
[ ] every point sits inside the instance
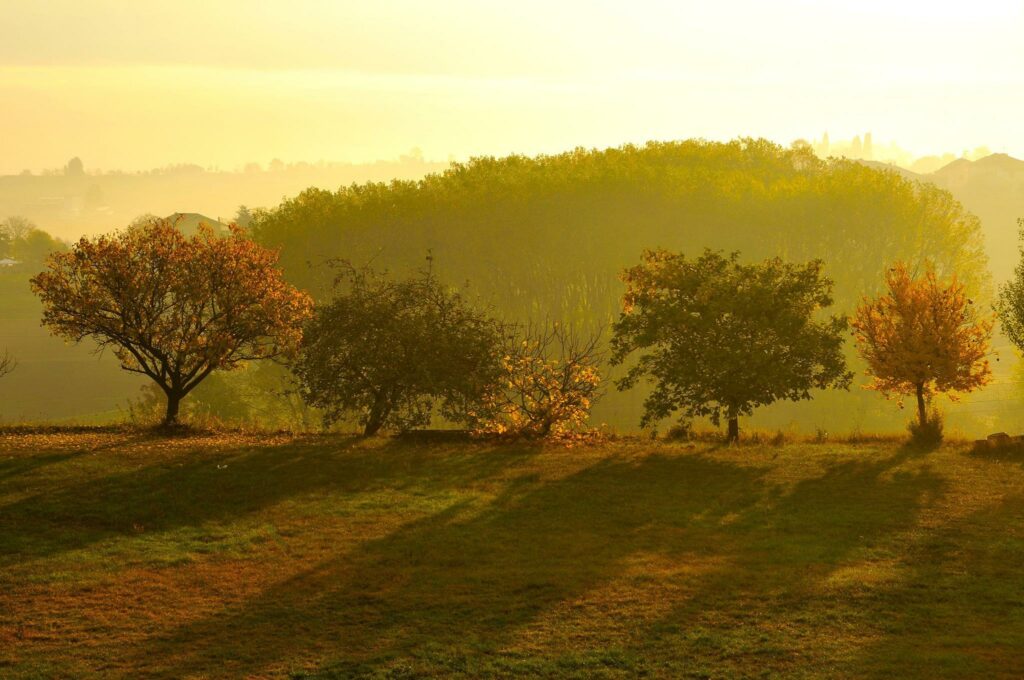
(226, 555)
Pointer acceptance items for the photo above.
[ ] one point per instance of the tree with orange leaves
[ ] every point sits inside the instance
(173, 308)
(923, 337)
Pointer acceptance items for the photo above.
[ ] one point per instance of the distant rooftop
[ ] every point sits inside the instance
(189, 223)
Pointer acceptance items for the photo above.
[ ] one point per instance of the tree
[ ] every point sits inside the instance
(74, 168)
(720, 338)
(387, 350)
(7, 364)
(243, 217)
(1010, 305)
(17, 227)
(173, 308)
(922, 337)
(35, 246)
(550, 380)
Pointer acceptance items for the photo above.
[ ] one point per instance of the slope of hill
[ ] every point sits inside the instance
(227, 557)
(993, 189)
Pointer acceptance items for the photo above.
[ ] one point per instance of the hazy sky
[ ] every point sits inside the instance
(222, 82)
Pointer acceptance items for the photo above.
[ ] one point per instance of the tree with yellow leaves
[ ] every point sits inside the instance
(550, 380)
(923, 337)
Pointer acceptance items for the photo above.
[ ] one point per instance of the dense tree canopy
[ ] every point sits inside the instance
(719, 337)
(923, 336)
(550, 233)
(545, 237)
(173, 308)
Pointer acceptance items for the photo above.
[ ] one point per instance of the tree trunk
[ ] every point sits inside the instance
(922, 412)
(733, 435)
(173, 402)
(376, 418)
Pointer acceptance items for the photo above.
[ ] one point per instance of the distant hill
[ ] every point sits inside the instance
(72, 206)
(993, 189)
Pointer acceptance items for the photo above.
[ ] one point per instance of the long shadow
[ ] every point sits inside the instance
(960, 612)
(221, 484)
(768, 607)
(21, 465)
(469, 577)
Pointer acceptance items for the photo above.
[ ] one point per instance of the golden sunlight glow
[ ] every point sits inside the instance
(230, 82)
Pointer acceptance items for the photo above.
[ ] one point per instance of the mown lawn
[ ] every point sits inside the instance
(126, 555)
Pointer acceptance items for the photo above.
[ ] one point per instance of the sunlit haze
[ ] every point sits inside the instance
(142, 85)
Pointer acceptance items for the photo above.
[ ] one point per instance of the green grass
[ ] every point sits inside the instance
(126, 555)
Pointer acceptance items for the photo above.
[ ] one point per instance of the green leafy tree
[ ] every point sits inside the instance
(1010, 305)
(388, 351)
(719, 338)
(35, 246)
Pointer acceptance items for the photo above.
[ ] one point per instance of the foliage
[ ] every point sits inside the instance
(559, 225)
(260, 395)
(550, 379)
(173, 308)
(387, 351)
(16, 227)
(924, 336)
(1010, 305)
(545, 236)
(720, 338)
(21, 240)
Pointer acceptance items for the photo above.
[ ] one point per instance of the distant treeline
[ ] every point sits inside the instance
(546, 237)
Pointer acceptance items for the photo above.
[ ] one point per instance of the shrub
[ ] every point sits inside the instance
(549, 383)
(928, 433)
(680, 432)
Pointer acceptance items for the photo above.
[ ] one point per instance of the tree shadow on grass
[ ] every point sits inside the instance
(960, 611)
(16, 466)
(468, 578)
(223, 484)
(465, 581)
(771, 610)
(22, 465)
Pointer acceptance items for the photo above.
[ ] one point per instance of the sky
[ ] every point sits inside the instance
(151, 83)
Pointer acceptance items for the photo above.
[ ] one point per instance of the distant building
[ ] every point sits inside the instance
(188, 223)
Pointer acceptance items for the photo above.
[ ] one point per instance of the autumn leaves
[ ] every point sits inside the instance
(717, 337)
(922, 337)
(173, 308)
